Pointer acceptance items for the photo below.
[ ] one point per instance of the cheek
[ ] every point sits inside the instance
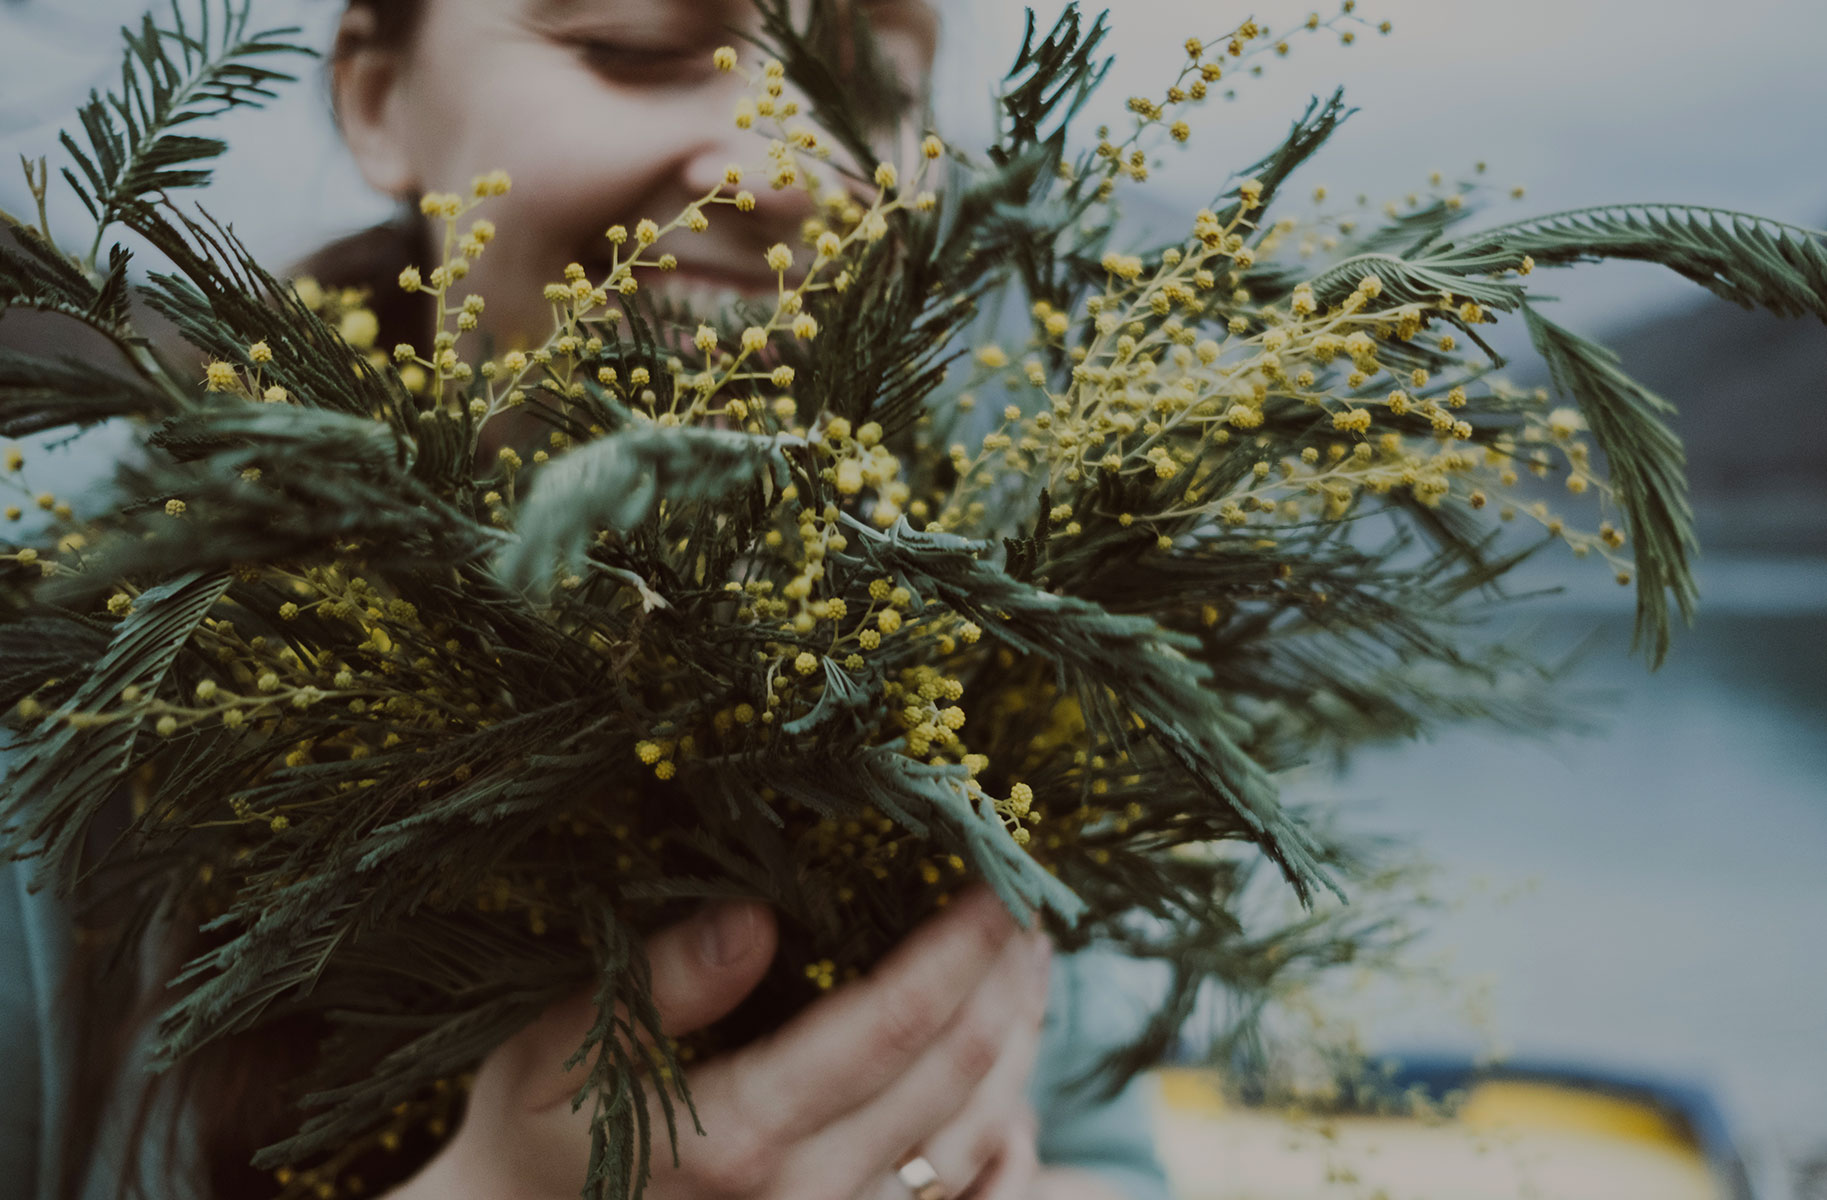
(560, 206)
(579, 163)
(582, 155)
(564, 147)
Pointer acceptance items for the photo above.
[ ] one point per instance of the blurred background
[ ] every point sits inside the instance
(1649, 902)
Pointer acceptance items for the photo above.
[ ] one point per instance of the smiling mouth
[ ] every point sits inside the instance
(703, 289)
(751, 285)
(697, 294)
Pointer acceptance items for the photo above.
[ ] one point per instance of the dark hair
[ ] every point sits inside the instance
(373, 258)
(395, 22)
(193, 1130)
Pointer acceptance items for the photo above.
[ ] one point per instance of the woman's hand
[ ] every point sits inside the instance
(930, 1054)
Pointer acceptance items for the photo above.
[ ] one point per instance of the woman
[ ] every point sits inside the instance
(932, 1077)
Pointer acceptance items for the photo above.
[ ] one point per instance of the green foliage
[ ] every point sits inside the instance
(613, 483)
(1646, 460)
(1314, 128)
(35, 275)
(1750, 260)
(1411, 280)
(1130, 660)
(1050, 81)
(171, 77)
(414, 794)
(80, 763)
(38, 393)
(48, 646)
(829, 51)
(222, 301)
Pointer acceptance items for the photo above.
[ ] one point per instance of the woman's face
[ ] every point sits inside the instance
(603, 112)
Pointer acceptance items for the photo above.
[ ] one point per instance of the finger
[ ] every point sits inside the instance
(742, 1156)
(966, 1152)
(1012, 1175)
(953, 1099)
(846, 1047)
(969, 1141)
(701, 968)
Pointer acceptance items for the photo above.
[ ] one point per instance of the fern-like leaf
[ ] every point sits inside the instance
(1646, 463)
(1049, 82)
(1752, 261)
(36, 275)
(38, 393)
(1086, 642)
(614, 483)
(1311, 131)
(830, 53)
(170, 77)
(1423, 280)
(70, 769)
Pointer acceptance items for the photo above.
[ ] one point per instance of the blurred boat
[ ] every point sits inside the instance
(1512, 1132)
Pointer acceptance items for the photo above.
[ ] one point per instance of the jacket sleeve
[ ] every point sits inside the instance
(1087, 1017)
(33, 946)
(36, 1052)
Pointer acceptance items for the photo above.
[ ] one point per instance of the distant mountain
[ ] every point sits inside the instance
(1752, 396)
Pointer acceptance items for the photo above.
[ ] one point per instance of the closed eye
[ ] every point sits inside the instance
(634, 65)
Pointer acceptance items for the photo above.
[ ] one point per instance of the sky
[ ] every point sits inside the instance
(1580, 101)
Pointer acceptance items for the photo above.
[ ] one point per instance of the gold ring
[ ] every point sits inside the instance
(921, 1179)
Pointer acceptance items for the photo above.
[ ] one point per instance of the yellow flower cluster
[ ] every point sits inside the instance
(1168, 371)
(379, 659)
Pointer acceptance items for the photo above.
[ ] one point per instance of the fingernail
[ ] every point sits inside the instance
(729, 934)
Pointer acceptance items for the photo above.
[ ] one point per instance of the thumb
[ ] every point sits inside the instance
(705, 965)
(701, 967)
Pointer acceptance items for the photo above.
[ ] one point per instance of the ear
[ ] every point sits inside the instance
(365, 80)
